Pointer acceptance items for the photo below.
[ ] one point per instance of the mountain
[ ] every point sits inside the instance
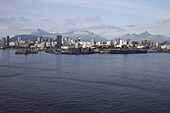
(145, 35)
(40, 32)
(85, 35)
(165, 43)
(24, 37)
(43, 33)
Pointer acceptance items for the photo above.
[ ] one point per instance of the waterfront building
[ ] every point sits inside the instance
(54, 44)
(121, 42)
(148, 43)
(48, 44)
(135, 43)
(7, 41)
(93, 41)
(19, 39)
(165, 47)
(128, 41)
(88, 44)
(158, 45)
(12, 44)
(59, 41)
(110, 43)
(67, 39)
(125, 43)
(140, 47)
(67, 42)
(101, 43)
(45, 39)
(42, 40)
(17, 44)
(79, 39)
(117, 41)
(50, 40)
(3, 42)
(23, 44)
(77, 45)
(43, 45)
(39, 39)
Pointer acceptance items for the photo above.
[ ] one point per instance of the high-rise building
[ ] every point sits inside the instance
(66, 39)
(42, 40)
(121, 42)
(158, 45)
(59, 41)
(39, 39)
(93, 41)
(135, 43)
(128, 42)
(50, 40)
(77, 44)
(7, 41)
(19, 39)
(79, 39)
(118, 40)
(3, 42)
(148, 42)
(110, 43)
(17, 43)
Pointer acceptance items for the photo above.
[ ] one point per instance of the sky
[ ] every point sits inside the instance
(108, 18)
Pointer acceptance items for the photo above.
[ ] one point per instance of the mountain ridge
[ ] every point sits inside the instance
(87, 36)
(144, 35)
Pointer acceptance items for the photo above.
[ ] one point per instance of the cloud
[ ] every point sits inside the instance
(3, 28)
(71, 2)
(130, 7)
(13, 4)
(11, 19)
(2, 19)
(77, 20)
(72, 21)
(46, 20)
(92, 19)
(18, 28)
(130, 26)
(166, 21)
(24, 19)
(99, 27)
(112, 27)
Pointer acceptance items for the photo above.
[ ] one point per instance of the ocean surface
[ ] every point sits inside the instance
(98, 83)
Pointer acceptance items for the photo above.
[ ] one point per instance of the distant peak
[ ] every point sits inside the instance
(146, 32)
(128, 34)
(39, 29)
(80, 30)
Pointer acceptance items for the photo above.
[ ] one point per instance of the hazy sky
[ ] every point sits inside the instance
(108, 18)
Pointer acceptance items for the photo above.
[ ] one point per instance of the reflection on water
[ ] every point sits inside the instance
(84, 83)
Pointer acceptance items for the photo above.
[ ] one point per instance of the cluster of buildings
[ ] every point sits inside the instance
(5, 42)
(67, 44)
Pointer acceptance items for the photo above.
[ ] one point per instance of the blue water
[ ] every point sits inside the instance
(105, 83)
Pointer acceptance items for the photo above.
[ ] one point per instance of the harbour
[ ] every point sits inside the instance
(46, 82)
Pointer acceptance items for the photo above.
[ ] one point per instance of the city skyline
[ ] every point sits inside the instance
(109, 18)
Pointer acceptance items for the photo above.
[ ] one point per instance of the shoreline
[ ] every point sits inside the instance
(115, 51)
